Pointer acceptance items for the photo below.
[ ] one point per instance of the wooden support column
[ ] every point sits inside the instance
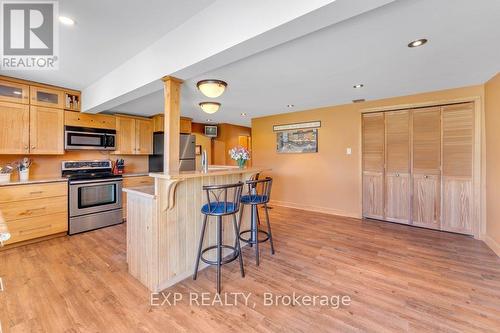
(172, 93)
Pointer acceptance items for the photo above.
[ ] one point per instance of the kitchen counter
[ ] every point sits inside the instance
(164, 223)
(145, 191)
(212, 171)
(136, 174)
(34, 181)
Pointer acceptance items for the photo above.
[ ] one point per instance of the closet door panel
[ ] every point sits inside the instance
(397, 160)
(426, 145)
(373, 195)
(398, 191)
(458, 140)
(426, 201)
(373, 165)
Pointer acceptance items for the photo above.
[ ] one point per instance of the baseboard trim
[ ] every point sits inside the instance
(316, 209)
(492, 244)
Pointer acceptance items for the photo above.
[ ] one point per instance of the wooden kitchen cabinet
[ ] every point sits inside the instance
(47, 97)
(185, 125)
(104, 121)
(158, 123)
(144, 136)
(46, 130)
(14, 136)
(14, 92)
(34, 210)
(134, 136)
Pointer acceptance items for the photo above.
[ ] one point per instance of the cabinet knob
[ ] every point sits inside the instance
(26, 147)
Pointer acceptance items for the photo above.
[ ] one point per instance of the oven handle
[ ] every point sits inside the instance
(95, 181)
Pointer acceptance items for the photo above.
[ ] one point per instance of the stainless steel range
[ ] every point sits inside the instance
(95, 195)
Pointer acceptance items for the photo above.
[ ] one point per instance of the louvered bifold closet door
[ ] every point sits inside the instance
(373, 165)
(457, 146)
(397, 166)
(426, 176)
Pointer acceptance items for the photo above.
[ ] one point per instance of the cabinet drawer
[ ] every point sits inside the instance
(72, 118)
(34, 227)
(31, 208)
(138, 181)
(35, 191)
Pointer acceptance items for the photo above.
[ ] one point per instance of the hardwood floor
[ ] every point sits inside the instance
(398, 277)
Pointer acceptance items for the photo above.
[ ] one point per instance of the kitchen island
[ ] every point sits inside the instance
(164, 224)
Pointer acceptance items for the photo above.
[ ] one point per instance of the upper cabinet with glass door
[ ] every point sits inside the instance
(14, 92)
(47, 97)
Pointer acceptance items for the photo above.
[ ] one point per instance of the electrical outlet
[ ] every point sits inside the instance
(348, 151)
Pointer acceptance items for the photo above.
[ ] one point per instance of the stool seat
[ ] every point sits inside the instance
(219, 208)
(254, 199)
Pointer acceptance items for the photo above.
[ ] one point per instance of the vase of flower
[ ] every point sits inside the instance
(241, 155)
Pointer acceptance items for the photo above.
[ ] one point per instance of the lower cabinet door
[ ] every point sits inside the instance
(34, 227)
(397, 202)
(457, 205)
(373, 194)
(426, 201)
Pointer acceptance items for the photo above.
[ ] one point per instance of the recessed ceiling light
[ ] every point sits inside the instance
(66, 20)
(418, 42)
(243, 114)
(357, 86)
(290, 106)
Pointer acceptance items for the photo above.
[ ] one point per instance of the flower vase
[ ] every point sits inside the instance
(241, 163)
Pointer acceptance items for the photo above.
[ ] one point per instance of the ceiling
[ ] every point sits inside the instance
(320, 69)
(106, 34)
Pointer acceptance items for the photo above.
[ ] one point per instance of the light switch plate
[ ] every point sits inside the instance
(348, 151)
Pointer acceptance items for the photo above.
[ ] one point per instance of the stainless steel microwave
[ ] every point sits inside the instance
(86, 138)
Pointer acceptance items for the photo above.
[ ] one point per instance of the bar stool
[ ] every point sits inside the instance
(259, 193)
(219, 206)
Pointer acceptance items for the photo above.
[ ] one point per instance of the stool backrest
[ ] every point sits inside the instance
(219, 195)
(260, 189)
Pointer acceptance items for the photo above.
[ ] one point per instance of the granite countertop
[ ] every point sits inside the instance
(145, 191)
(135, 174)
(34, 181)
(212, 171)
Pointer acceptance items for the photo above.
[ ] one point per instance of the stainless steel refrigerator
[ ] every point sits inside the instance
(187, 156)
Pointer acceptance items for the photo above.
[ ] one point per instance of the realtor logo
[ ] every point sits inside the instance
(29, 35)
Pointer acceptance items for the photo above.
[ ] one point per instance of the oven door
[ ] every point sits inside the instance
(93, 196)
(75, 140)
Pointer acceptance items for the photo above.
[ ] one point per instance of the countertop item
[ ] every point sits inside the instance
(34, 181)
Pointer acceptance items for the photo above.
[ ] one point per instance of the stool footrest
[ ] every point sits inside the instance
(250, 241)
(225, 260)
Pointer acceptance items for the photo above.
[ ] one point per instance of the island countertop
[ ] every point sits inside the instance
(212, 171)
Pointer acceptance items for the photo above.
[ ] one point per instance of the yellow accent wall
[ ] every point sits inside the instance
(492, 122)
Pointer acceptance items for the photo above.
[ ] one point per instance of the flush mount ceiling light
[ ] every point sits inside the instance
(212, 88)
(209, 120)
(417, 43)
(243, 114)
(357, 86)
(66, 20)
(290, 105)
(209, 107)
